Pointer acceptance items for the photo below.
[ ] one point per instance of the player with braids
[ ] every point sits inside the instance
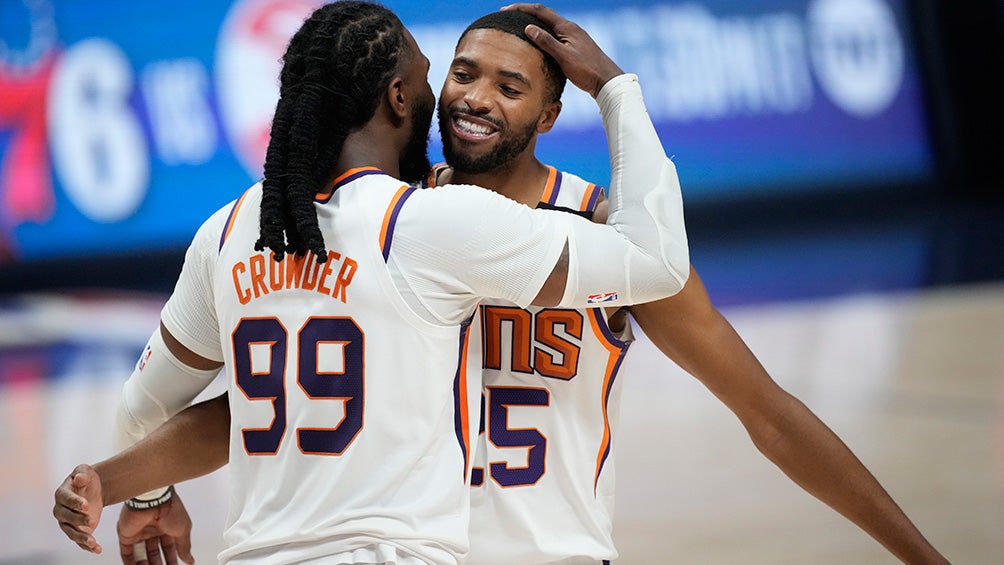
(322, 98)
(344, 325)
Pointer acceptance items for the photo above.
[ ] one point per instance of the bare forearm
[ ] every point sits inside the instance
(193, 443)
(809, 453)
(691, 332)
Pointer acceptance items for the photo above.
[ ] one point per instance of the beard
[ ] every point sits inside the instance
(510, 144)
(414, 163)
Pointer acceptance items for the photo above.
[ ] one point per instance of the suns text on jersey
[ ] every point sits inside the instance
(258, 275)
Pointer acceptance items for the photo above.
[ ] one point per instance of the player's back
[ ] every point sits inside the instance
(349, 417)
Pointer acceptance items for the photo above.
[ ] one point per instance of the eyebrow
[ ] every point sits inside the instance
(508, 74)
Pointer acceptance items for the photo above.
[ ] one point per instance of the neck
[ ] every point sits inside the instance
(521, 179)
(366, 147)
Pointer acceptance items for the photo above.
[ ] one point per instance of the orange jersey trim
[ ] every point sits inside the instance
(463, 419)
(390, 218)
(590, 198)
(345, 178)
(351, 172)
(432, 181)
(232, 218)
(617, 351)
(552, 186)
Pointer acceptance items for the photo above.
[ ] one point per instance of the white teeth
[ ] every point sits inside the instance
(472, 128)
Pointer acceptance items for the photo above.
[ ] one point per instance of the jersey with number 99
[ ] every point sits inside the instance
(350, 413)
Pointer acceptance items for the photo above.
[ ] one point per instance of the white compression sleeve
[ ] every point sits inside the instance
(646, 207)
(159, 387)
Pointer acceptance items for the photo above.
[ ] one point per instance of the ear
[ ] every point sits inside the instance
(548, 117)
(397, 98)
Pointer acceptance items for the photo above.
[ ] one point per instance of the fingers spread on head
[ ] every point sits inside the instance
(547, 15)
(545, 41)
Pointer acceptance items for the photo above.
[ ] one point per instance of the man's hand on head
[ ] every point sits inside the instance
(581, 59)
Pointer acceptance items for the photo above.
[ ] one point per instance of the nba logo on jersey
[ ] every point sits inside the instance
(602, 297)
(144, 358)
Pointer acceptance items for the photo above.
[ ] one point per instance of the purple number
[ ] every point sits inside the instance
(346, 384)
(501, 435)
(268, 383)
(262, 385)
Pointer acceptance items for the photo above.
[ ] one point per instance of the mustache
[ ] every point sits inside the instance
(454, 111)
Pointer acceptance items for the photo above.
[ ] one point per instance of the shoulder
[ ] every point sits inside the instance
(466, 212)
(575, 180)
(243, 208)
(602, 210)
(461, 204)
(435, 176)
(569, 192)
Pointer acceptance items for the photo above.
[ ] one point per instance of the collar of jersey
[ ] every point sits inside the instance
(550, 188)
(345, 178)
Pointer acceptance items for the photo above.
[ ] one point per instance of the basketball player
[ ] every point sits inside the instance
(542, 486)
(344, 327)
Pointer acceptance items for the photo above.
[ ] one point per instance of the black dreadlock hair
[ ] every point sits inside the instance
(514, 22)
(334, 71)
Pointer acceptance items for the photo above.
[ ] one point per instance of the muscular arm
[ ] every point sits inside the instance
(193, 443)
(167, 380)
(688, 329)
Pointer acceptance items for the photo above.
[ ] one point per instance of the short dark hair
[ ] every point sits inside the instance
(333, 73)
(514, 22)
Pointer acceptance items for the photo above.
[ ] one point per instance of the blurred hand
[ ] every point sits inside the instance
(582, 61)
(164, 531)
(78, 507)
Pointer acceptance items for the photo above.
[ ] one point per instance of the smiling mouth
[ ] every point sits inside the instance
(473, 129)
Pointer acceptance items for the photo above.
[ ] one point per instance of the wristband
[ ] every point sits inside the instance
(137, 504)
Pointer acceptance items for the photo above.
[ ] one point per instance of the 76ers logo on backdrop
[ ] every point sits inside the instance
(25, 67)
(248, 59)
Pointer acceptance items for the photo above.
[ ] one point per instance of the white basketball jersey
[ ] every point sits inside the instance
(350, 417)
(543, 482)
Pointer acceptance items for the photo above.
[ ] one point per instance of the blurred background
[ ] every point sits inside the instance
(840, 163)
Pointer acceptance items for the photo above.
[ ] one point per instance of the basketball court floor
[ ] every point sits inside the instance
(912, 382)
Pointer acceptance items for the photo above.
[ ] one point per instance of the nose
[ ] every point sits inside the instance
(477, 97)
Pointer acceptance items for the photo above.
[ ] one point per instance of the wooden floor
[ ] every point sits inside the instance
(913, 383)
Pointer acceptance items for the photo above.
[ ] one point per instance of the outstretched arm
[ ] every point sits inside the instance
(193, 443)
(694, 334)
